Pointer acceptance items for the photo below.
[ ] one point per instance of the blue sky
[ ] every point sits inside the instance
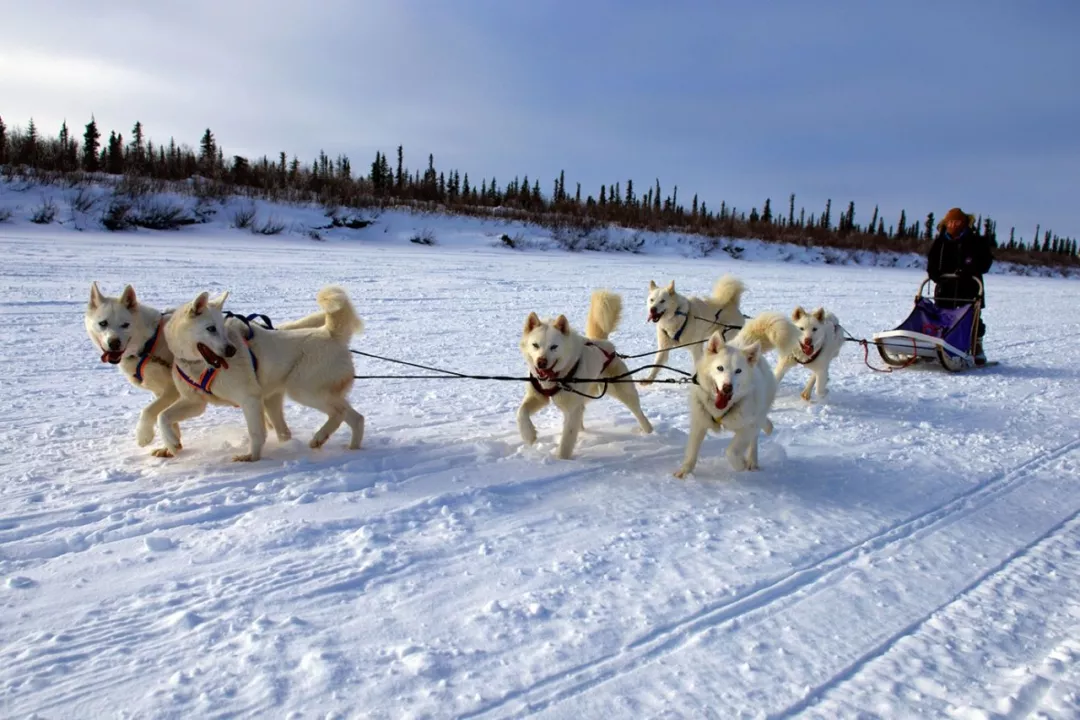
(919, 105)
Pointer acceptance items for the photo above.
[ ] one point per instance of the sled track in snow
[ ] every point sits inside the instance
(769, 598)
(817, 693)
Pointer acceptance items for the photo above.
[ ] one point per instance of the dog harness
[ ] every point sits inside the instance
(810, 359)
(147, 351)
(206, 380)
(685, 322)
(609, 357)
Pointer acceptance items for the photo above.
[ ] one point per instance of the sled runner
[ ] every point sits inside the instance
(930, 332)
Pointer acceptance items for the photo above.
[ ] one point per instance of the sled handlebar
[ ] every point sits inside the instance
(929, 280)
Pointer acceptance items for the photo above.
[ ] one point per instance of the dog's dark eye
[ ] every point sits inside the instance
(125, 326)
(554, 348)
(739, 370)
(212, 330)
(536, 346)
(103, 324)
(721, 368)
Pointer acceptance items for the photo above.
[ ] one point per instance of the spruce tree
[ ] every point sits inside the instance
(3, 143)
(826, 217)
(791, 210)
(901, 227)
(208, 153)
(766, 212)
(400, 182)
(91, 146)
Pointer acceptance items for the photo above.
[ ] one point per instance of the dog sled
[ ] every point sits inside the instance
(933, 333)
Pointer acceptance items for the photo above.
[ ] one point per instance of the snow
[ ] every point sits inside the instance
(910, 549)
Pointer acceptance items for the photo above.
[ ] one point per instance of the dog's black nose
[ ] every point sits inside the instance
(114, 344)
(541, 363)
(229, 351)
(726, 389)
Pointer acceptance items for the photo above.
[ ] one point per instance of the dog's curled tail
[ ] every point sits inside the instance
(728, 291)
(605, 310)
(342, 322)
(314, 320)
(773, 330)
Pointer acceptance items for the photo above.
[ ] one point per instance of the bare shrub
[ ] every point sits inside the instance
(45, 214)
(244, 217)
(117, 215)
(160, 214)
(5, 215)
(273, 226)
(83, 200)
(424, 237)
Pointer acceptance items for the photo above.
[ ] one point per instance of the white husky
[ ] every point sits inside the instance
(735, 389)
(130, 335)
(231, 362)
(820, 343)
(555, 354)
(680, 319)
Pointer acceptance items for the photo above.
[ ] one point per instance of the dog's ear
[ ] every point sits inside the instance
(198, 306)
(531, 323)
(95, 296)
(652, 285)
(562, 325)
(752, 354)
(219, 301)
(819, 314)
(128, 298)
(671, 287)
(799, 314)
(716, 341)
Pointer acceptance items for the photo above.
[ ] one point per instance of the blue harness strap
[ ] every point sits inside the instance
(147, 350)
(685, 322)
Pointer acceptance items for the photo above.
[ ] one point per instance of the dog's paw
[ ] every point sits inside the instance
(317, 442)
(646, 429)
(163, 452)
(768, 428)
(682, 472)
(283, 435)
(144, 435)
(805, 395)
(246, 457)
(528, 435)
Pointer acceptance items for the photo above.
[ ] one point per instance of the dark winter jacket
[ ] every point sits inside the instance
(969, 256)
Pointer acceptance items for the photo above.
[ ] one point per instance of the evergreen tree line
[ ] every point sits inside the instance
(387, 181)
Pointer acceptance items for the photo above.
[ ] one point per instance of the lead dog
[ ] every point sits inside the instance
(130, 335)
(820, 342)
(735, 389)
(556, 354)
(232, 362)
(680, 319)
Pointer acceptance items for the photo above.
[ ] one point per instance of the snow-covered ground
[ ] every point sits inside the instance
(911, 548)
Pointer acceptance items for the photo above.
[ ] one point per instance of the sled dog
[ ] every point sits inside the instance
(735, 389)
(680, 319)
(555, 354)
(130, 335)
(820, 342)
(234, 362)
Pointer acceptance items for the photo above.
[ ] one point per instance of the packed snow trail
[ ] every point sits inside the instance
(910, 548)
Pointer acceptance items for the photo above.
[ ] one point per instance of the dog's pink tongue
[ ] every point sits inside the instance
(808, 348)
(110, 357)
(722, 400)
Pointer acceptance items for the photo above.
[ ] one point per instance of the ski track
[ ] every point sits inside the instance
(445, 570)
